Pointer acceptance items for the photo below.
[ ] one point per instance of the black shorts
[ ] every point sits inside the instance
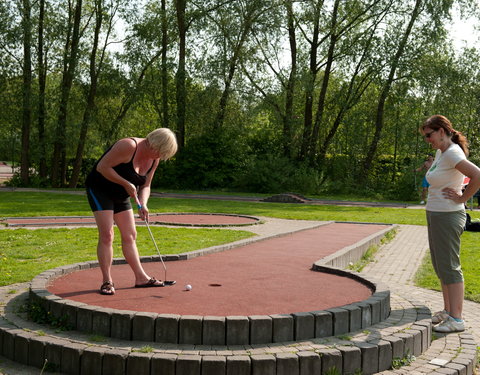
(102, 201)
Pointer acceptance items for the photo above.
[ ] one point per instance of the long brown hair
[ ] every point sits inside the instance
(436, 122)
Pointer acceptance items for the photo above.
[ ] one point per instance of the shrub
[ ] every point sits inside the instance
(207, 161)
(276, 174)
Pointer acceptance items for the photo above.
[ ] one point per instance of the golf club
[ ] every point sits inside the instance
(165, 281)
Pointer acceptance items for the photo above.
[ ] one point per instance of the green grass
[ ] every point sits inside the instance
(323, 196)
(406, 360)
(57, 204)
(42, 204)
(294, 211)
(25, 253)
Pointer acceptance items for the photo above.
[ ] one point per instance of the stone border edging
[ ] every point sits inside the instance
(406, 331)
(351, 254)
(211, 330)
(256, 220)
(214, 330)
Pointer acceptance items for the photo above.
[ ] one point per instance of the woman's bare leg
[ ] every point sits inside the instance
(104, 220)
(126, 224)
(455, 296)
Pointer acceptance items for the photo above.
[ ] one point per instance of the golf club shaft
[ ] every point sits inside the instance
(156, 247)
(139, 205)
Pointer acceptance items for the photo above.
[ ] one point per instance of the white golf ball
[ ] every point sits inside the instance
(188, 287)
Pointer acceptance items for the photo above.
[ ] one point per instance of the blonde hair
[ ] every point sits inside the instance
(164, 141)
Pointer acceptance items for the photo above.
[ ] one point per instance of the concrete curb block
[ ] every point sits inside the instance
(155, 219)
(351, 254)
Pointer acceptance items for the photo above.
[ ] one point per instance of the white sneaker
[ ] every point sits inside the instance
(450, 325)
(439, 316)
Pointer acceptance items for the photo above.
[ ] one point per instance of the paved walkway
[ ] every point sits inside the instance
(395, 264)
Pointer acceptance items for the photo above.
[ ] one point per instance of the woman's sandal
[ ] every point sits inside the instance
(107, 288)
(153, 282)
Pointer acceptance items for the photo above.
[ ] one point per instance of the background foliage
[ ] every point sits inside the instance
(264, 95)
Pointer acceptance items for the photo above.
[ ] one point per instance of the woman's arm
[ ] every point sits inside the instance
(470, 170)
(144, 191)
(121, 152)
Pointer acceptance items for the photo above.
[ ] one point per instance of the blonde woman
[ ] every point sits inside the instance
(124, 171)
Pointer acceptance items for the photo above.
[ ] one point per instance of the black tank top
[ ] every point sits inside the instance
(126, 170)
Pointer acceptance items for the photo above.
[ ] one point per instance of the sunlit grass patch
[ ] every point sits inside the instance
(27, 252)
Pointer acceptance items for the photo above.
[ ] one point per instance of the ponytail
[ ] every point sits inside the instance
(461, 140)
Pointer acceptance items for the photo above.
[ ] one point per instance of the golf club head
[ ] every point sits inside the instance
(169, 282)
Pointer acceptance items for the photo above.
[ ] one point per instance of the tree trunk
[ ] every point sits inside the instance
(42, 83)
(180, 76)
(220, 118)
(290, 89)
(323, 92)
(27, 91)
(70, 63)
(310, 85)
(233, 64)
(129, 100)
(395, 148)
(92, 93)
(165, 112)
(379, 120)
(353, 95)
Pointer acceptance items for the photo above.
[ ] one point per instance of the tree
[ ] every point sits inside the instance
(342, 85)
(344, 23)
(42, 84)
(235, 37)
(385, 90)
(333, 36)
(269, 53)
(27, 90)
(95, 71)
(164, 22)
(314, 41)
(290, 87)
(10, 80)
(360, 49)
(180, 76)
(70, 60)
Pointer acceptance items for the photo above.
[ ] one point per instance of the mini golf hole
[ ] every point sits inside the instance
(215, 285)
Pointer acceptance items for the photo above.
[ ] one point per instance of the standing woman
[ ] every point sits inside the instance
(124, 171)
(446, 216)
